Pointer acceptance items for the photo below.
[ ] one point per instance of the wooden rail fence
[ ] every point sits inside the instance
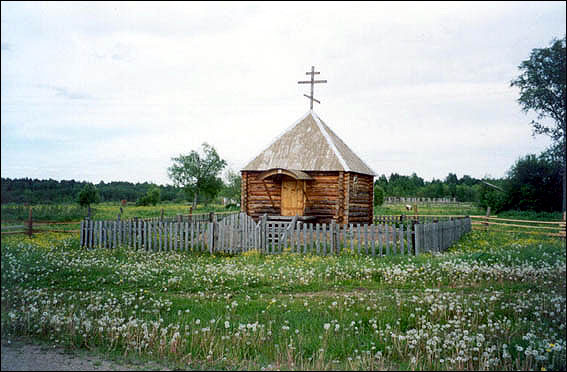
(485, 223)
(238, 233)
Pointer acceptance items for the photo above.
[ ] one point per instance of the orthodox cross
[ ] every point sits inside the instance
(312, 82)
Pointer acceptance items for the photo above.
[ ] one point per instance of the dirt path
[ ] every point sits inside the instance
(19, 355)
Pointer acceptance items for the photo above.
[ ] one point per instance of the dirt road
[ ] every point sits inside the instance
(19, 355)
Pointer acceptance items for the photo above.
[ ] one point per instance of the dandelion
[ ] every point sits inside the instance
(226, 324)
(326, 326)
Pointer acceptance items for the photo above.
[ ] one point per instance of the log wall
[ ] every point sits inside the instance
(360, 198)
(262, 196)
(330, 196)
(322, 196)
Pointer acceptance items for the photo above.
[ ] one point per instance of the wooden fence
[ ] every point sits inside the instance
(507, 225)
(418, 200)
(238, 233)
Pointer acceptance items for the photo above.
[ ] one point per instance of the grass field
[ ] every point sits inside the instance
(432, 208)
(102, 211)
(494, 302)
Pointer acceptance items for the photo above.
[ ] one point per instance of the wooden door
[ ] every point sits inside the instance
(292, 197)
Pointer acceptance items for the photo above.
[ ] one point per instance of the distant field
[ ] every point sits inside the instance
(433, 208)
(102, 211)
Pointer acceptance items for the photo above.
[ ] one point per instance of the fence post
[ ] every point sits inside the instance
(161, 215)
(135, 235)
(332, 228)
(263, 237)
(30, 223)
(416, 237)
(486, 219)
(413, 239)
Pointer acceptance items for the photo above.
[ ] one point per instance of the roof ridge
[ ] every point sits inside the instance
(347, 147)
(297, 122)
(330, 142)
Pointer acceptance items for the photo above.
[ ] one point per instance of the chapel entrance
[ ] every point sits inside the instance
(292, 197)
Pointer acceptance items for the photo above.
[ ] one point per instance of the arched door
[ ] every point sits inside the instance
(292, 197)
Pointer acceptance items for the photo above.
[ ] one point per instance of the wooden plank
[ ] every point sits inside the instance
(436, 237)
(366, 242)
(211, 237)
(324, 239)
(401, 235)
(86, 241)
(100, 234)
(159, 233)
(351, 234)
(373, 234)
(309, 236)
(318, 238)
(417, 231)
(192, 232)
(359, 238)
(198, 244)
(91, 234)
(81, 236)
(408, 239)
(387, 242)
(104, 234)
(186, 236)
(223, 246)
(525, 221)
(165, 235)
(151, 235)
(380, 229)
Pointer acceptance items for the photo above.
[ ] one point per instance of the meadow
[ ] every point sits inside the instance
(12, 212)
(492, 302)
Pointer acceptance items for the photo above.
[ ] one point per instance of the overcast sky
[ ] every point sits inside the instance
(112, 91)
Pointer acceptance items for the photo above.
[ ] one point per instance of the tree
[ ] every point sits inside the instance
(88, 195)
(532, 184)
(232, 189)
(542, 90)
(152, 197)
(378, 195)
(198, 173)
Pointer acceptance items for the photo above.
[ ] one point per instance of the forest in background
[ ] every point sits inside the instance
(532, 183)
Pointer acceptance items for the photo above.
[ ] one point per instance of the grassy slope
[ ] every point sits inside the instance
(491, 297)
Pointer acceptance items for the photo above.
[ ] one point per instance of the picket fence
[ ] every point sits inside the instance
(238, 233)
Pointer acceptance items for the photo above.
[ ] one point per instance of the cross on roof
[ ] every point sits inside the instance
(312, 82)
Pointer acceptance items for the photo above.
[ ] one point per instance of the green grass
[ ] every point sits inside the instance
(291, 311)
(430, 208)
(101, 211)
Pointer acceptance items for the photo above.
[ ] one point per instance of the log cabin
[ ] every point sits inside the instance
(310, 172)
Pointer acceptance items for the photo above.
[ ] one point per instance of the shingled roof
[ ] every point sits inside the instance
(309, 145)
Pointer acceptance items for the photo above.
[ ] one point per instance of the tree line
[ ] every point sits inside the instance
(533, 183)
(36, 191)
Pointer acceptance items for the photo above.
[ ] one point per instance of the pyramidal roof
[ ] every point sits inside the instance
(309, 145)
